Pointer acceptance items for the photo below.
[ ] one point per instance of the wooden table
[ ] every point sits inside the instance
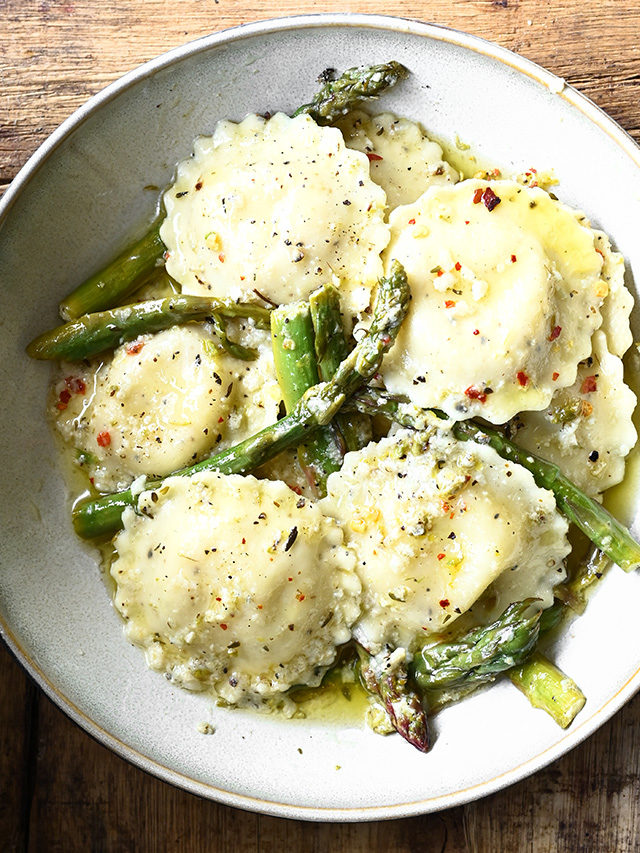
(61, 791)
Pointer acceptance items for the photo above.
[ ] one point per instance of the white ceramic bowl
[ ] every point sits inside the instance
(80, 198)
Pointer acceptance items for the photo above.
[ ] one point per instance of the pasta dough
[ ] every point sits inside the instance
(587, 430)
(403, 160)
(278, 205)
(434, 522)
(165, 401)
(235, 584)
(506, 296)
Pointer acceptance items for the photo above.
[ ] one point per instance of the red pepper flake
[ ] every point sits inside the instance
(166, 256)
(475, 394)
(477, 196)
(554, 376)
(476, 331)
(439, 273)
(242, 278)
(441, 557)
(75, 384)
(244, 541)
(259, 607)
(458, 266)
(555, 332)
(220, 420)
(104, 439)
(300, 596)
(445, 506)
(218, 598)
(513, 259)
(373, 157)
(221, 257)
(444, 602)
(63, 399)
(412, 222)
(589, 384)
(522, 378)
(535, 171)
(289, 579)
(600, 253)
(466, 222)
(92, 481)
(134, 347)
(490, 199)
(385, 339)
(449, 303)
(224, 626)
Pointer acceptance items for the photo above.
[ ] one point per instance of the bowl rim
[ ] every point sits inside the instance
(401, 25)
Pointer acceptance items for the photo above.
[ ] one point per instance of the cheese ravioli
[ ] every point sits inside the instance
(234, 584)
(587, 430)
(277, 205)
(403, 160)
(164, 401)
(434, 522)
(507, 286)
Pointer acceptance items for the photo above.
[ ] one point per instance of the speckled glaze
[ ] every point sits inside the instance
(80, 198)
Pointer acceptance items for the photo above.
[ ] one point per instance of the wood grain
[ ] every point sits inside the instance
(60, 790)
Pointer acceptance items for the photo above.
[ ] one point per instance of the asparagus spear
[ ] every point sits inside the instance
(317, 407)
(331, 348)
(95, 333)
(118, 279)
(482, 653)
(590, 570)
(600, 527)
(548, 688)
(232, 347)
(292, 339)
(388, 678)
(337, 97)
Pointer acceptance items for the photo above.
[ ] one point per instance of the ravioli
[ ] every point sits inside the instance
(234, 584)
(587, 430)
(434, 522)
(507, 287)
(403, 160)
(616, 308)
(280, 206)
(164, 401)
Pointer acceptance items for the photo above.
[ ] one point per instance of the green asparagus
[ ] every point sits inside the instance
(548, 688)
(389, 680)
(232, 347)
(118, 279)
(331, 348)
(482, 653)
(317, 407)
(590, 570)
(104, 330)
(292, 339)
(337, 97)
